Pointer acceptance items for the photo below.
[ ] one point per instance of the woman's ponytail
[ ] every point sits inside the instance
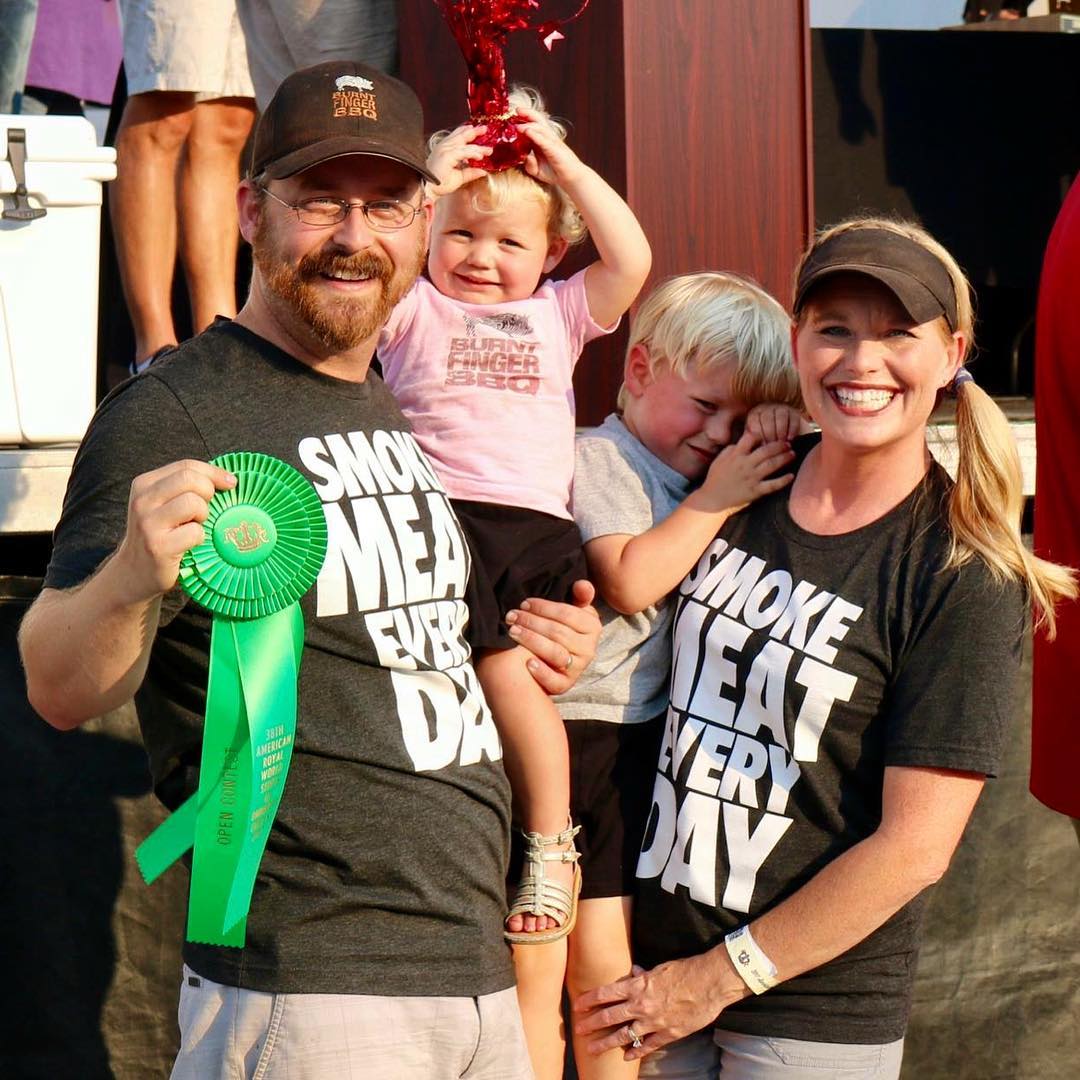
(987, 502)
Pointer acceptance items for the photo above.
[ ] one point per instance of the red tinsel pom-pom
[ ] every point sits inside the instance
(481, 28)
(510, 144)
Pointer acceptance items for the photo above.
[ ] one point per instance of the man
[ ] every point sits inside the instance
(374, 941)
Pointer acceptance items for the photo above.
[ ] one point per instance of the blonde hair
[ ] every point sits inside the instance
(987, 500)
(710, 318)
(493, 192)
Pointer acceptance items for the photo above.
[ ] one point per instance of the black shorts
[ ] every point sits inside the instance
(516, 553)
(612, 771)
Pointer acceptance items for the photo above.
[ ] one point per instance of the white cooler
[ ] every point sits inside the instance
(51, 172)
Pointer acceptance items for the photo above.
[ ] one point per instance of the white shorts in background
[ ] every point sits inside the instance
(190, 46)
(286, 35)
(227, 1033)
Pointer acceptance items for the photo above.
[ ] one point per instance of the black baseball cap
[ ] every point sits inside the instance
(336, 108)
(914, 275)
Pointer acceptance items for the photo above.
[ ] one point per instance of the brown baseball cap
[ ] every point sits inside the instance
(336, 108)
(914, 275)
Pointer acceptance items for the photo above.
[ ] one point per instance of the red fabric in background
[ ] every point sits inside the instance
(1055, 719)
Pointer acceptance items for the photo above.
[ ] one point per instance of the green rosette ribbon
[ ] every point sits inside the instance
(264, 544)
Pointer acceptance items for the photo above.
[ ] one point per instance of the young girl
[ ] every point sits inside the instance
(480, 358)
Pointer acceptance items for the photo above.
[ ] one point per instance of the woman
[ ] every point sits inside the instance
(846, 656)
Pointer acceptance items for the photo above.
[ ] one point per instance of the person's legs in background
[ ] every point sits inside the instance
(142, 200)
(209, 234)
(178, 159)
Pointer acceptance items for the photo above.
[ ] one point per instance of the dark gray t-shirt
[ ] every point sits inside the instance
(384, 871)
(803, 666)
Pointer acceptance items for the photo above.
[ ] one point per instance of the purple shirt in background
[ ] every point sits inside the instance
(77, 48)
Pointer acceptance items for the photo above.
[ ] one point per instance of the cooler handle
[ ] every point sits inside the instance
(16, 140)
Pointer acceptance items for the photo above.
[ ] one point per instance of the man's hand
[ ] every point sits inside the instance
(561, 637)
(166, 511)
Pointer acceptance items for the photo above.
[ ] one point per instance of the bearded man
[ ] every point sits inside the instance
(374, 942)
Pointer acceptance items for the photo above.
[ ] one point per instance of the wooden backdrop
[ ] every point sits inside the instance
(696, 110)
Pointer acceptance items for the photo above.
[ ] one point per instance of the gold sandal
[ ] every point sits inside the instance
(537, 894)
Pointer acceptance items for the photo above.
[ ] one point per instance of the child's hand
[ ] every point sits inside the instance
(740, 474)
(550, 161)
(449, 161)
(774, 423)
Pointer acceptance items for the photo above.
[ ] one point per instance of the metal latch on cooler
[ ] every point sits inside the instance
(16, 155)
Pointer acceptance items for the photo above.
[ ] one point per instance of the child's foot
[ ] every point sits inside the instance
(545, 904)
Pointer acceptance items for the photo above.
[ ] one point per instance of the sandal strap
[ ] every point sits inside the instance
(542, 896)
(535, 844)
(536, 893)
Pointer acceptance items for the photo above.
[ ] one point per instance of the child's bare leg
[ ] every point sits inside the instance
(540, 971)
(536, 759)
(599, 954)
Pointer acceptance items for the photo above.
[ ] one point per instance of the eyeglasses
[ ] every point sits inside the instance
(382, 215)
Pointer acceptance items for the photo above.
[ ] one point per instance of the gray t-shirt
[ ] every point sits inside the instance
(385, 866)
(620, 487)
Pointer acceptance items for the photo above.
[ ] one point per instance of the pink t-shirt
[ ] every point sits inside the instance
(487, 388)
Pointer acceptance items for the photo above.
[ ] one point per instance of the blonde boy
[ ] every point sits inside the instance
(708, 379)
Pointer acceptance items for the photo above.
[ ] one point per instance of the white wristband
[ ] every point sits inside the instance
(754, 967)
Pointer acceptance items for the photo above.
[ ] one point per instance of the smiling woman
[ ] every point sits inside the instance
(846, 660)
(884, 323)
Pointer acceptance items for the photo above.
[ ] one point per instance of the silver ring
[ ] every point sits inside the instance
(635, 1038)
(569, 663)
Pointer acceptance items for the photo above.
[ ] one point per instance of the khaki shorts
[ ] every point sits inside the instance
(189, 46)
(726, 1055)
(229, 1032)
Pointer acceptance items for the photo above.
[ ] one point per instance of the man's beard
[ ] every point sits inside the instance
(340, 323)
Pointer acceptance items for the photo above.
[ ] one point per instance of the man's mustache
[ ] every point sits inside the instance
(364, 264)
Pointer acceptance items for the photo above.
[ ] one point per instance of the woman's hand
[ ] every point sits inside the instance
(561, 637)
(657, 1007)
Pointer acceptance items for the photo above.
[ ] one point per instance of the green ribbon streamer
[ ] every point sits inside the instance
(265, 543)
